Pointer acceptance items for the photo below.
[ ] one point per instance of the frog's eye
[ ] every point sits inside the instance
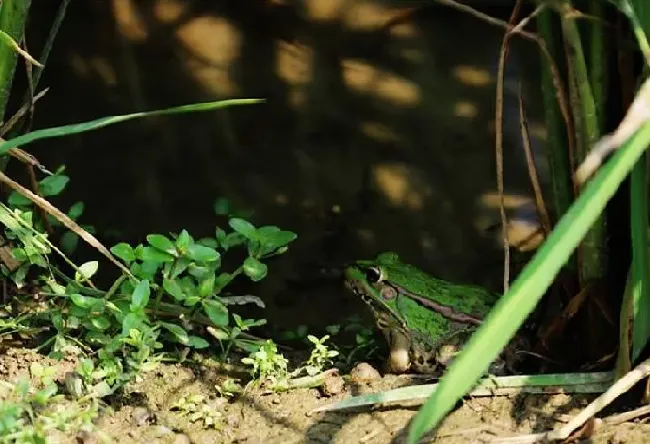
(373, 274)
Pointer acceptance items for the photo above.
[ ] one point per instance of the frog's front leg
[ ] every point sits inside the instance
(399, 360)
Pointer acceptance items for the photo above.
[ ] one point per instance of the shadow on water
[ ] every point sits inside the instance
(371, 138)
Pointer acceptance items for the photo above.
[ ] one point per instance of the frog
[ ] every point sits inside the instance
(425, 320)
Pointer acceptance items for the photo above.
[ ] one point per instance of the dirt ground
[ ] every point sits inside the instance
(144, 412)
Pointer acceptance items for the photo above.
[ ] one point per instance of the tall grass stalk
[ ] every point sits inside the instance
(558, 146)
(587, 132)
(639, 223)
(13, 17)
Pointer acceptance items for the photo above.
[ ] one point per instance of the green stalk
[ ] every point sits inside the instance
(557, 141)
(598, 62)
(586, 121)
(13, 16)
(640, 262)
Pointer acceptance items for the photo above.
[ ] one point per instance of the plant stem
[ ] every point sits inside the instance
(557, 143)
(586, 123)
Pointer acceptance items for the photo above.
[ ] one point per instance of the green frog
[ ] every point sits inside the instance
(425, 320)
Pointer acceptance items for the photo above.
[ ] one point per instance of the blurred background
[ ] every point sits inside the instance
(377, 132)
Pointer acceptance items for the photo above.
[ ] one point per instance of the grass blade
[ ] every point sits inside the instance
(503, 386)
(512, 309)
(111, 120)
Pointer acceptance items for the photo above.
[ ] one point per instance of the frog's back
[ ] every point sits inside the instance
(467, 297)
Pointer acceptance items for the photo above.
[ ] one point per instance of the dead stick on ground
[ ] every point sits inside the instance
(627, 416)
(618, 388)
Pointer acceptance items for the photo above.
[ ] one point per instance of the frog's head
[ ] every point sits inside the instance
(369, 280)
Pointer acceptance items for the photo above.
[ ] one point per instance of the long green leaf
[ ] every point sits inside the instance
(639, 217)
(640, 262)
(105, 121)
(512, 309)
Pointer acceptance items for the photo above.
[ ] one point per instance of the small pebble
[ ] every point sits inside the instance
(332, 385)
(182, 438)
(161, 430)
(142, 416)
(364, 372)
(86, 437)
(232, 420)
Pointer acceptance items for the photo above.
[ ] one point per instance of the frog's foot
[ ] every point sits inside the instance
(446, 354)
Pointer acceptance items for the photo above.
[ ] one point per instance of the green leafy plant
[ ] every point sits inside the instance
(197, 408)
(268, 365)
(30, 412)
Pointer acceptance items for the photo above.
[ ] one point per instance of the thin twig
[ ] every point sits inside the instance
(627, 416)
(498, 148)
(618, 388)
(540, 205)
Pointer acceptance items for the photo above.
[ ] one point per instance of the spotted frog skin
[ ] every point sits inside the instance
(424, 320)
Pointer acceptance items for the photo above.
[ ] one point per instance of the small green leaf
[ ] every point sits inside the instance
(179, 266)
(222, 280)
(174, 289)
(206, 286)
(18, 200)
(254, 269)
(233, 240)
(220, 334)
(221, 206)
(198, 342)
(53, 185)
(161, 243)
(146, 270)
(42, 396)
(76, 210)
(130, 321)
(272, 240)
(57, 321)
(191, 301)
(150, 254)
(219, 235)
(179, 332)
(86, 270)
(124, 251)
(69, 241)
(208, 242)
(199, 272)
(243, 227)
(100, 322)
(140, 296)
(184, 241)
(216, 311)
(83, 301)
(200, 253)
